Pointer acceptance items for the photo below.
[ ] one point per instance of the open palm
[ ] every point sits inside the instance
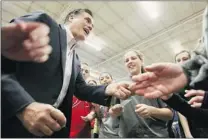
(161, 79)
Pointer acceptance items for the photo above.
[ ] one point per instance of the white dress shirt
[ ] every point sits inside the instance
(68, 67)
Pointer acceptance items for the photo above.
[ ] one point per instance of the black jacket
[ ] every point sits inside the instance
(26, 82)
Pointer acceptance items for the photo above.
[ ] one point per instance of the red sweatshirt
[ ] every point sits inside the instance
(80, 128)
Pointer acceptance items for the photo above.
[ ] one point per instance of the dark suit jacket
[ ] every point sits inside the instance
(26, 82)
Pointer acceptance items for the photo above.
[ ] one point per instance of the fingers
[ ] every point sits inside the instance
(40, 42)
(40, 52)
(139, 110)
(140, 85)
(190, 93)
(45, 130)
(52, 124)
(154, 94)
(117, 108)
(21, 25)
(155, 67)
(37, 30)
(196, 99)
(126, 91)
(37, 54)
(84, 118)
(141, 77)
(58, 116)
(196, 105)
(143, 80)
(37, 133)
(149, 92)
(122, 95)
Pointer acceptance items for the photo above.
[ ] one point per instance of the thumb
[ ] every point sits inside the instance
(83, 118)
(58, 116)
(157, 67)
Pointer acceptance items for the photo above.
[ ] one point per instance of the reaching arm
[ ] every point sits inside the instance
(15, 97)
(185, 126)
(94, 94)
(162, 113)
(197, 114)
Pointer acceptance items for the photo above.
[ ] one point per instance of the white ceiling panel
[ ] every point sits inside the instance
(123, 28)
(198, 5)
(94, 6)
(100, 24)
(121, 8)
(182, 9)
(139, 27)
(108, 15)
(7, 6)
(115, 36)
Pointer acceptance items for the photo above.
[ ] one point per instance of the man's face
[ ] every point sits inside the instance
(182, 57)
(105, 79)
(81, 25)
(85, 71)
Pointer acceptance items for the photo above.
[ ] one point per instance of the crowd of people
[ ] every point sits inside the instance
(46, 92)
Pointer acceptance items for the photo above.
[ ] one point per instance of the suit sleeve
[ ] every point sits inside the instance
(205, 101)
(15, 97)
(197, 114)
(94, 94)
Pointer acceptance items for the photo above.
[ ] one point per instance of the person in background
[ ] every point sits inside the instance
(83, 112)
(190, 127)
(85, 71)
(141, 118)
(180, 58)
(108, 126)
(94, 123)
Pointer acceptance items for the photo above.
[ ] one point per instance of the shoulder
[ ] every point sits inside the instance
(37, 16)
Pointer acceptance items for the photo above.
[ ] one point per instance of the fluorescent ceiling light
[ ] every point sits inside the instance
(95, 42)
(151, 7)
(176, 47)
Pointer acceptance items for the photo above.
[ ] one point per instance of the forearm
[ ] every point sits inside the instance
(185, 125)
(92, 112)
(15, 97)
(89, 93)
(198, 114)
(162, 113)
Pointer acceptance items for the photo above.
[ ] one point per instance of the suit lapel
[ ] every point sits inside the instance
(75, 61)
(74, 68)
(63, 42)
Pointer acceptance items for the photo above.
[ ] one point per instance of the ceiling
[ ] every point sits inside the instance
(123, 25)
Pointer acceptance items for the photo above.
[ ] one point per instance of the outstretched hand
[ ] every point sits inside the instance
(26, 41)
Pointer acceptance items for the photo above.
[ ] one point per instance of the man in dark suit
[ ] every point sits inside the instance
(37, 98)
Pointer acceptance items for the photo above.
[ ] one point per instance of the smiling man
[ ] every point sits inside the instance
(37, 98)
